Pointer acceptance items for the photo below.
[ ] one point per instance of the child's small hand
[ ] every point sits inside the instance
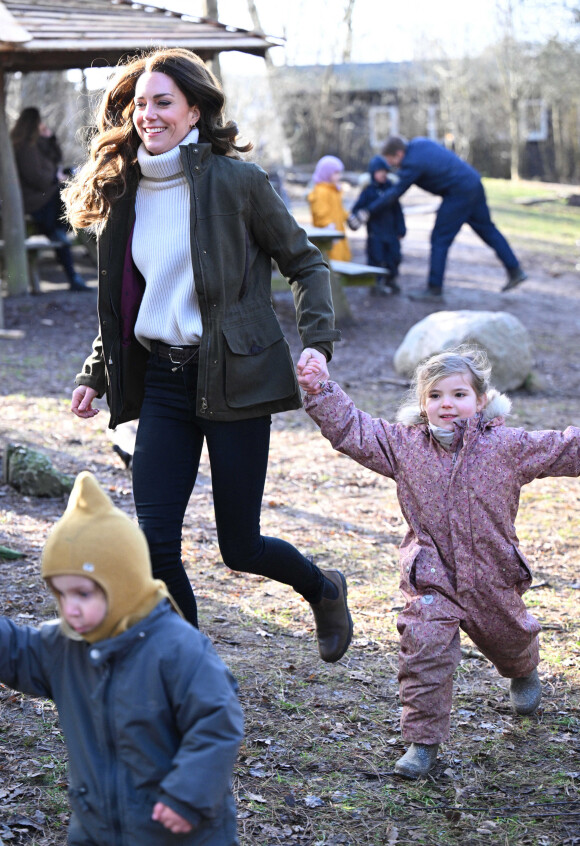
(170, 819)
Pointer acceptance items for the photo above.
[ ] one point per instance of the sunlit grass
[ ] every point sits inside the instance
(550, 226)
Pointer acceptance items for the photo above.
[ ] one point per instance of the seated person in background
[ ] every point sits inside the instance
(38, 158)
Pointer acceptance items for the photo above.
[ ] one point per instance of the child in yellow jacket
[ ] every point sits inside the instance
(326, 203)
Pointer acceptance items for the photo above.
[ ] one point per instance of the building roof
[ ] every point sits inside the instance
(353, 77)
(42, 35)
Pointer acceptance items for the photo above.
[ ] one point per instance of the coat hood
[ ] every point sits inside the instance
(378, 163)
(498, 407)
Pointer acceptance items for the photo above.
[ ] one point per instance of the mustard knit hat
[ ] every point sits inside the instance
(96, 540)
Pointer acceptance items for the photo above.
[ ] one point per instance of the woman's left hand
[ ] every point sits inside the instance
(312, 371)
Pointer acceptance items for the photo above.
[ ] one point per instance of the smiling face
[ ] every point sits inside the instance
(82, 603)
(162, 115)
(450, 399)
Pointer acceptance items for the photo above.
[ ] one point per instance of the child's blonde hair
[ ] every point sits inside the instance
(470, 360)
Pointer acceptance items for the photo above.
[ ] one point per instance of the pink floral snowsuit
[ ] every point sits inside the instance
(461, 566)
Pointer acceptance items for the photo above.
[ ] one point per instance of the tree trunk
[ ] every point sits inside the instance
(514, 140)
(13, 229)
(211, 11)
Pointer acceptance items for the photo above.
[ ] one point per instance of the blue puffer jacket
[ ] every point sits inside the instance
(388, 221)
(149, 716)
(431, 167)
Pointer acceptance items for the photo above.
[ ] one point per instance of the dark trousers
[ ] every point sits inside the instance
(384, 252)
(48, 221)
(168, 447)
(456, 209)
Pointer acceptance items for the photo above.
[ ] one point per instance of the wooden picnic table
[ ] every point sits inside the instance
(324, 239)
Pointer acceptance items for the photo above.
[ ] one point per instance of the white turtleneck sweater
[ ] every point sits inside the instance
(169, 311)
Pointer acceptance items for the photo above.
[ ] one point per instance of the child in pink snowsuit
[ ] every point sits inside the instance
(459, 471)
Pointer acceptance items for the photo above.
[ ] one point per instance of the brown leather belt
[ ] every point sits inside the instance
(175, 354)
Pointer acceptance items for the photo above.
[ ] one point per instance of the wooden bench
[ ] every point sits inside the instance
(353, 273)
(348, 272)
(35, 245)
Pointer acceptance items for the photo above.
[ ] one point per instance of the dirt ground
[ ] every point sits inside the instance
(321, 740)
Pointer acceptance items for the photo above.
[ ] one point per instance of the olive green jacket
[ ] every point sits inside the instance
(238, 224)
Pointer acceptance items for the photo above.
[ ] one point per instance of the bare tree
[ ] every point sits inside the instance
(210, 10)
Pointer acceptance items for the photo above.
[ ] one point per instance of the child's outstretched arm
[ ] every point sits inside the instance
(547, 453)
(355, 433)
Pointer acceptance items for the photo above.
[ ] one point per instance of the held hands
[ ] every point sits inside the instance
(355, 220)
(312, 371)
(170, 819)
(81, 403)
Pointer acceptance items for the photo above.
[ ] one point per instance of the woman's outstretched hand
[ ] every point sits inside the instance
(312, 371)
(82, 400)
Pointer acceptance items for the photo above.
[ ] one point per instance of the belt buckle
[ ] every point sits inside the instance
(179, 352)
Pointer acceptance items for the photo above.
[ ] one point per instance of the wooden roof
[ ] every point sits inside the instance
(42, 35)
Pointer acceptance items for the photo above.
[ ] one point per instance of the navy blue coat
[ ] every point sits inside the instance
(386, 225)
(148, 716)
(433, 168)
(387, 220)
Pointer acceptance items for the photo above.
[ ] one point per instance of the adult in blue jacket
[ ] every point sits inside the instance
(435, 169)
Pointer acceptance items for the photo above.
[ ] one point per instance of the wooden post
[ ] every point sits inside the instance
(13, 226)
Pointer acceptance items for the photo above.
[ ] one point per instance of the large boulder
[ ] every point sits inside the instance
(505, 339)
(31, 472)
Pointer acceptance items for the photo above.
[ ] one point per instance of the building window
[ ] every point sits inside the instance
(533, 120)
(432, 116)
(383, 122)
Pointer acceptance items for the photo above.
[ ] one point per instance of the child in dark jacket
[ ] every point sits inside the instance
(385, 228)
(149, 712)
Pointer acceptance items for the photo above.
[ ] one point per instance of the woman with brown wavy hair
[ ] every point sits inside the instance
(189, 341)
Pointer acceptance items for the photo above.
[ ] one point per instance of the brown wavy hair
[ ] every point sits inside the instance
(112, 164)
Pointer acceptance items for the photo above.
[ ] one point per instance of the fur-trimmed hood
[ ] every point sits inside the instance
(498, 407)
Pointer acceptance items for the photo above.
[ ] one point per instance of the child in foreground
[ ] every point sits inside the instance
(149, 712)
(459, 471)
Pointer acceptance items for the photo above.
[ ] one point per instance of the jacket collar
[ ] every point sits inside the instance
(195, 157)
(115, 647)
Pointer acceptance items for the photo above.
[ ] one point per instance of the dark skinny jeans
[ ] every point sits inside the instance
(169, 441)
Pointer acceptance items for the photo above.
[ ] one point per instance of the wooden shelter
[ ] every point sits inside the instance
(51, 35)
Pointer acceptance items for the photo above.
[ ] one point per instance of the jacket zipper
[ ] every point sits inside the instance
(203, 404)
(110, 744)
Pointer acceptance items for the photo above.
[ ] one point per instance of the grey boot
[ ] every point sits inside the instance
(417, 760)
(525, 693)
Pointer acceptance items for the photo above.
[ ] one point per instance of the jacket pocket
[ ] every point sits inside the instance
(524, 573)
(258, 363)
